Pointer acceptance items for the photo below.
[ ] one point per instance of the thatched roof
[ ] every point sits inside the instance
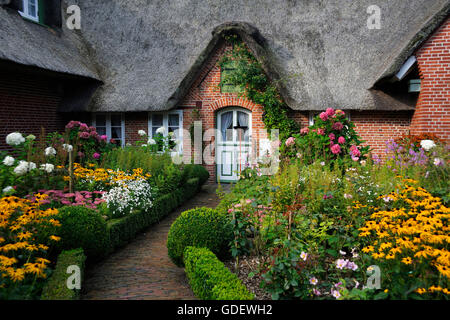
(148, 53)
(30, 44)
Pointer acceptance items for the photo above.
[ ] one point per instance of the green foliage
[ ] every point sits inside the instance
(210, 279)
(331, 138)
(85, 228)
(249, 75)
(202, 227)
(195, 171)
(56, 286)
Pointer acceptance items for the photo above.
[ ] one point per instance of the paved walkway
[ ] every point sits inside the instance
(142, 269)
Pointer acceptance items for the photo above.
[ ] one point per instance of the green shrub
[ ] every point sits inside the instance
(85, 228)
(195, 171)
(56, 286)
(201, 227)
(210, 279)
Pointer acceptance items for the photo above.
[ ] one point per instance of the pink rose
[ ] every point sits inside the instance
(323, 116)
(338, 126)
(304, 130)
(332, 136)
(330, 112)
(355, 158)
(320, 132)
(83, 135)
(335, 149)
(290, 141)
(341, 140)
(84, 127)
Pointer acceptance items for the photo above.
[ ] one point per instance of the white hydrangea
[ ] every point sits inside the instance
(68, 147)
(24, 167)
(427, 144)
(8, 161)
(161, 130)
(50, 152)
(7, 189)
(151, 141)
(142, 133)
(127, 196)
(48, 167)
(14, 139)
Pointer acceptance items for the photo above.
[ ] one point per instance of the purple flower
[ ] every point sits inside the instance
(96, 155)
(332, 136)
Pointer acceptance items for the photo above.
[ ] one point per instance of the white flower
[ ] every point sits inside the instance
(304, 256)
(427, 144)
(336, 294)
(8, 161)
(142, 133)
(24, 167)
(347, 196)
(341, 263)
(14, 139)
(322, 163)
(342, 252)
(144, 145)
(161, 130)
(7, 189)
(438, 162)
(31, 137)
(313, 281)
(50, 152)
(151, 141)
(48, 167)
(67, 147)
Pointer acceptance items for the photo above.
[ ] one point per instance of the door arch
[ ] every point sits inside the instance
(234, 129)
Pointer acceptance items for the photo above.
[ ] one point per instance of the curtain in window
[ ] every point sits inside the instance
(226, 122)
(243, 122)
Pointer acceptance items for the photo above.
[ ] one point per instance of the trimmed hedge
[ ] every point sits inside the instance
(195, 171)
(200, 227)
(83, 228)
(56, 286)
(210, 279)
(122, 230)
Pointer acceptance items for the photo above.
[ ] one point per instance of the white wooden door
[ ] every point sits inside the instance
(233, 143)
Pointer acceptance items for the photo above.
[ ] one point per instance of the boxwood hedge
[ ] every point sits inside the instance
(210, 279)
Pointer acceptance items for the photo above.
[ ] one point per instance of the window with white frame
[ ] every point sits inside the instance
(313, 114)
(171, 121)
(110, 124)
(30, 10)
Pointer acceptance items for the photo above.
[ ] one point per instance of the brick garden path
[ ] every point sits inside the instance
(142, 269)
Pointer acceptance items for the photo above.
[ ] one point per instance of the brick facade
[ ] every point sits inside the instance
(432, 114)
(28, 102)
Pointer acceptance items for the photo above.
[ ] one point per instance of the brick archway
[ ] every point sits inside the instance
(233, 102)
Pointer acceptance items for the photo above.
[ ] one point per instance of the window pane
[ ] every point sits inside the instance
(116, 120)
(116, 133)
(154, 131)
(157, 120)
(100, 120)
(32, 8)
(174, 120)
(101, 130)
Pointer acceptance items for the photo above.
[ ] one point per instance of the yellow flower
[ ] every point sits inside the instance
(407, 260)
(421, 290)
(16, 274)
(55, 238)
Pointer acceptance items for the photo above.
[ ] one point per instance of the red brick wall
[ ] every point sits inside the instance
(432, 113)
(133, 123)
(27, 103)
(205, 95)
(377, 127)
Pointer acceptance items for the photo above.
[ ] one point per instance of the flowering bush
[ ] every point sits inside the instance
(26, 234)
(408, 238)
(88, 145)
(58, 198)
(127, 196)
(332, 137)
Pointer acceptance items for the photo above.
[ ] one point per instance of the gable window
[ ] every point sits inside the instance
(172, 122)
(227, 71)
(110, 124)
(30, 10)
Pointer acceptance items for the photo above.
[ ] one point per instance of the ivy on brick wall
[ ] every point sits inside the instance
(256, 86)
